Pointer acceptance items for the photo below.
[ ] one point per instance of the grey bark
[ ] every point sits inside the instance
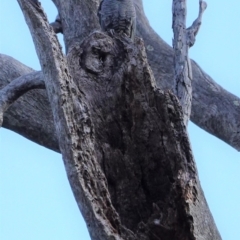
(123, 140)
(74, 129)
(57, 25)
(184, 39)
(19, 86)
(118, 17)
(30, 115)
(213, 108)
(141, 143)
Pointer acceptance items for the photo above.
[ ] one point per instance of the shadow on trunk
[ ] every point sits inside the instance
(141, 142)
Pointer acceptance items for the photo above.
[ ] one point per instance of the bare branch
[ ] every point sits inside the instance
(214, 109)
(30, 115)
(85, 14)
(182, 86)
(160, 57)
(74, 129)
(57, 25)
(182, 41)
(36, 2)
(17, 88)
(193, 30)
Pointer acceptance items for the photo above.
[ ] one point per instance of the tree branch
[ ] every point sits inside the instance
(85, 14)
(74, 129)
(223, 122)
(57, 25)
(79, 103)
(213, 108)
(16, 89)
(30, 115)
(149, 122)
(193, 30)
(182, 41)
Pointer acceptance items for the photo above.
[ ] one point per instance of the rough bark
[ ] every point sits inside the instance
(182, 85)
(84, 13)
(184, 38)
(74, 129)
(141, 143)
(213, 108)
(30, 115)
(123, 140)
(57, 25)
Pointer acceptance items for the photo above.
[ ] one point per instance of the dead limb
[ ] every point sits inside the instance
(74, 129)
(182, 41)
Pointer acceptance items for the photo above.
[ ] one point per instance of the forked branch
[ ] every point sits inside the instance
(193, 30)
(183, 40)
(110, 117)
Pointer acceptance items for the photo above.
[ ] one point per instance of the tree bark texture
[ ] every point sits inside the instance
(213, 108)
(141, 143)
(15, 89)
(123, 140)
(182, 66)
(74, 129)
(183, 39)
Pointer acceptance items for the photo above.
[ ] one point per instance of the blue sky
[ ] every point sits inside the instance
(36, 202)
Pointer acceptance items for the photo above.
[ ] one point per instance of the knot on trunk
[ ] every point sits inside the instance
(140, 139)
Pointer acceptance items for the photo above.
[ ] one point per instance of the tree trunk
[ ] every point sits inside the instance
(123, 140)
(213, 108)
